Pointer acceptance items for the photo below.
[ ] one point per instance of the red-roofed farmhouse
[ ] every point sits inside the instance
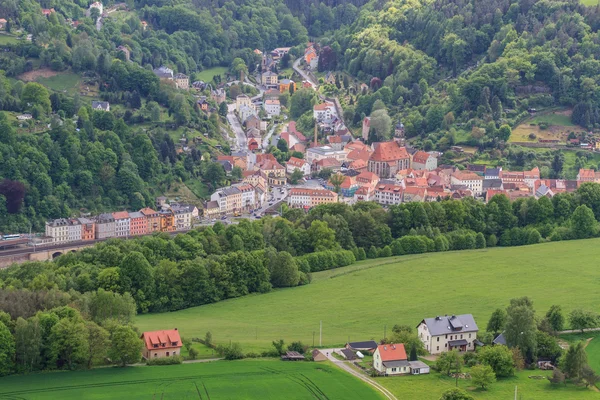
(159, 344)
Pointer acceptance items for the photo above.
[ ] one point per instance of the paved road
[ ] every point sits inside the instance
(347, 366)
(234, 122)
(265, 142)
(303, 74)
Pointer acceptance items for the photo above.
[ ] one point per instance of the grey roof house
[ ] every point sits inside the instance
(441, 334)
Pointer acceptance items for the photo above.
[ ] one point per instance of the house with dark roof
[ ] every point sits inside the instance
(499, 340)
(390, 359)
(368, 345)
(158, 344)
(441, 334)
(348, 354)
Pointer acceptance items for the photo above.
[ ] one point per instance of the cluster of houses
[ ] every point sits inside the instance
(169, 218)
(182, 81)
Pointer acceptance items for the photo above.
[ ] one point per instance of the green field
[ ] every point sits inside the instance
(358, 302)
(207, 74)
(552, 119)
(62, 82)
(589, 2)
(268, 379)
(430, 387)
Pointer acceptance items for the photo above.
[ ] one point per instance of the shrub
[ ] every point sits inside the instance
(165, 360)
(385, 252)
(231, 352)
(492, 240)
(470, 359)
(441, 243)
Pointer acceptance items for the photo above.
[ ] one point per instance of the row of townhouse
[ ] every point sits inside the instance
(121, 224)
(235, 199)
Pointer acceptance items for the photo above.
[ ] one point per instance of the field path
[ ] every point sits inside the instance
(346, 366)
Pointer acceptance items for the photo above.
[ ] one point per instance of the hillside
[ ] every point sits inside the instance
(359, 301)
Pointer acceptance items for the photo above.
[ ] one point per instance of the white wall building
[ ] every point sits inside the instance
(441, 334)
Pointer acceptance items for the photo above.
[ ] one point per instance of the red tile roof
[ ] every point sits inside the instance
(323, 106)
(392, 352)
(148, 211)
(367, 177)
(388, 151)
(420, 157)
(334, 139)
(359, 154)
(586, 174)
(159, 338)
(296, 162)
(311, 192)
(120, 215)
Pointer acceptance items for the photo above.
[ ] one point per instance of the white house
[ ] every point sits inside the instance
(122, 223)
(320, 153)
(74, 230)
(297, 163)
(390, 359)
(424, 161)
(441, 334)
(324, 111)
(469, 179)
(101, 106)
(272, 107)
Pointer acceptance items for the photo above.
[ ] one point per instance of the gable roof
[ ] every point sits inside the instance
(421, 157)
(388, 151)
(120, 215)
(392, 352)
(450, 324)
(166, 337)
(368, 344)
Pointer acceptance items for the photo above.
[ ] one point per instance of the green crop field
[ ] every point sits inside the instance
(207, 74)
(264, 380)
(358, 302)
(531, 385)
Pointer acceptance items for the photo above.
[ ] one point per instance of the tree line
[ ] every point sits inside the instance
(209, 264)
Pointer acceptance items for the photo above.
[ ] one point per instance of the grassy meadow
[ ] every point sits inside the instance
(264, 380)
(207, 74)
(360, 301)
(66, 81)
(430, 387)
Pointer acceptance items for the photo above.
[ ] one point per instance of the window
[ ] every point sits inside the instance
(155, 346)
(167, 354)
(446, 336)
(438, 347)
(155, 355)
(438, 339)
(469, 336)
(461, 336)
(446, 345)
(393, 369)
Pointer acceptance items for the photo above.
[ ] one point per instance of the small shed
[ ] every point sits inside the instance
(292, 356)
(348, 354)
(318, 355)
(418, 367)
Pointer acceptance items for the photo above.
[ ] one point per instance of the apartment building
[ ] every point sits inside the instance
(153, 219)
(58, 230)
(105, 226)
(138, 224)
(306, 197)
(122, 223)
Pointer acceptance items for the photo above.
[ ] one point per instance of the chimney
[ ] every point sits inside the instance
(393, 347)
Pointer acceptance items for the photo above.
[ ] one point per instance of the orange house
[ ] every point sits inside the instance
(88, 229)
(167, 221)
(138, 224)
(152, 220)
(158, 344)
(285, 84)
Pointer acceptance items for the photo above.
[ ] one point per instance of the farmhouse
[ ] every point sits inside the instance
(160, 344)
(318, 355)
(441, 334)
(390, 359)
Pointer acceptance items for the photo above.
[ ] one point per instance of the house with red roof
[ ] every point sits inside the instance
(390, 359)
(158, 344)
(297, 164)
(424, 161)
(586, 175)
(388, 158)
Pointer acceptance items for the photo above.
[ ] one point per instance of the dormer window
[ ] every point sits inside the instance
(155, 346)
(174, 343)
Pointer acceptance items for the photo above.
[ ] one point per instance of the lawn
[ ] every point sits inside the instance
(592, 349)
(360, 301)
(589, 2)
(207, 74)
(266, 379)
(8, 39)
(430, 387)
(62, 82)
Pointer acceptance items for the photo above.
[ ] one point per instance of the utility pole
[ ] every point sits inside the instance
(320, 333)
(385, 331)
(515, 392)
(313, 338)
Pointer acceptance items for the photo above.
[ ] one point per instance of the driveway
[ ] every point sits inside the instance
(347, 366)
